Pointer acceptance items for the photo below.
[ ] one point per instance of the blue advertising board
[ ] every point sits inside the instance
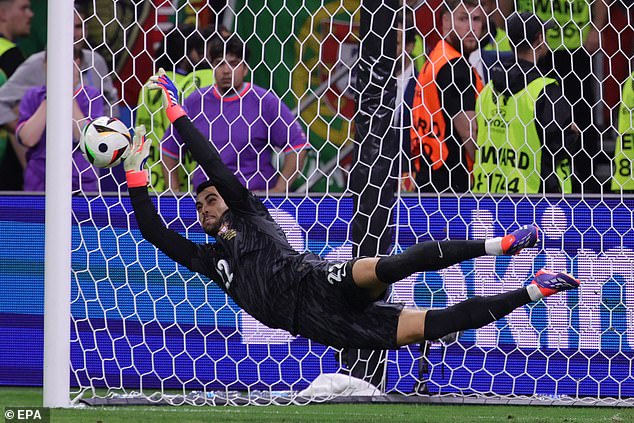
(140, 320)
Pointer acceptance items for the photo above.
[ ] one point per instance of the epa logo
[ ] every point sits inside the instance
(31, 414)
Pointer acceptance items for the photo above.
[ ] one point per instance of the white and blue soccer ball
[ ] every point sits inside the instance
(105, 141)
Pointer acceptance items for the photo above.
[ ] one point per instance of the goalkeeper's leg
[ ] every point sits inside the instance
(476, 312)
(375, 274)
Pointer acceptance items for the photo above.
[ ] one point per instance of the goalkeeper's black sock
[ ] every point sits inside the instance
(473, 313)
(427, 256)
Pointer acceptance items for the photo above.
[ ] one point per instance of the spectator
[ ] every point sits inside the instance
(15, 21)
(182, 50)
(617, 50)
(525, 130)
(201, 75)
(94, 72)
(31, 132)
(495, 47)
(245, 123)
(623, 179)
(573, 41)
(443, 137)
(417, 52)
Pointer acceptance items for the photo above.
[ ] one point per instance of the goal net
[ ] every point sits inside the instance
(146, 330)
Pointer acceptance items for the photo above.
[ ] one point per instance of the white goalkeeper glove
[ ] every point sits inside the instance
(134, 163)
(160, 81)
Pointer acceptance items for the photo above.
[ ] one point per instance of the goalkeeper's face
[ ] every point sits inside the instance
(211, 207)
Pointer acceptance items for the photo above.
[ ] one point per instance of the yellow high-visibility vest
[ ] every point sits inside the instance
(509, 155)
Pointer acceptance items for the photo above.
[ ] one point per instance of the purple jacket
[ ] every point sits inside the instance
(85, 176)
(245, 129)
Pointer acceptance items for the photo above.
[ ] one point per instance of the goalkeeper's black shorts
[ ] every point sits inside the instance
(335, 312)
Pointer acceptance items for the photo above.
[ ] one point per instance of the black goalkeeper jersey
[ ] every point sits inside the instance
(251, 259)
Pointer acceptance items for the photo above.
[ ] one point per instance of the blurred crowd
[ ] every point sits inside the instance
(493, 96)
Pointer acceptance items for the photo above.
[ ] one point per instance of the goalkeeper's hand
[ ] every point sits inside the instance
(134, 162)
(160, 81)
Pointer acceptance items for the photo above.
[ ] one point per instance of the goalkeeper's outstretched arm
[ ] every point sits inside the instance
(174, 245)
(229, 187)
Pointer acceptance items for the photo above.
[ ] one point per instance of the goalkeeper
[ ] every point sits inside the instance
(332, 303)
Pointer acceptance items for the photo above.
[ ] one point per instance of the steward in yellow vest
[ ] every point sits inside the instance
(520, 114)
(624, 149)
(573, 39)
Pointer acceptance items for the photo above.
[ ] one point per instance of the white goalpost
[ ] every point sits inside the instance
(124, 324)
(57, 293)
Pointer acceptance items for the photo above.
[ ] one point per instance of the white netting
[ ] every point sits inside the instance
(146, 328)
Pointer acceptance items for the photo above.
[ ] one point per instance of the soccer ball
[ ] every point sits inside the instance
(105, 141)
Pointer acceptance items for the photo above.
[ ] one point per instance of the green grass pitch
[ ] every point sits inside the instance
(318, 413)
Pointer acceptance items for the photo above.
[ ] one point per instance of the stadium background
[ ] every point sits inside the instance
(279, 47)
(589, 236)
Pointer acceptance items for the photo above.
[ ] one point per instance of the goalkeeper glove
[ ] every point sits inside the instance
(160, 81)
(134, 162)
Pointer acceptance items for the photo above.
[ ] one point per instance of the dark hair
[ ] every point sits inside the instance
(199, 41)
(410, 26)
(211, 30)
(219, 47)
(81, 8)
(195, 41)
(203, 185)
(523, 29)
(451, 5)
(173, 48)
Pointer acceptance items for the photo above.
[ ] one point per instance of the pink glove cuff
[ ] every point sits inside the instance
(136, 178)
(174, 112)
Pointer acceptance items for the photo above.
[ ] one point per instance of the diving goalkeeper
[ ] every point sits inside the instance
(332, 303)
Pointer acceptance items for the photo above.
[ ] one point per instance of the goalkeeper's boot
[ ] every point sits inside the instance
(516, 241)
(550, 283)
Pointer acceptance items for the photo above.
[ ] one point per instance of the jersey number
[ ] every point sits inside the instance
(336, 273)
(225, 272)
